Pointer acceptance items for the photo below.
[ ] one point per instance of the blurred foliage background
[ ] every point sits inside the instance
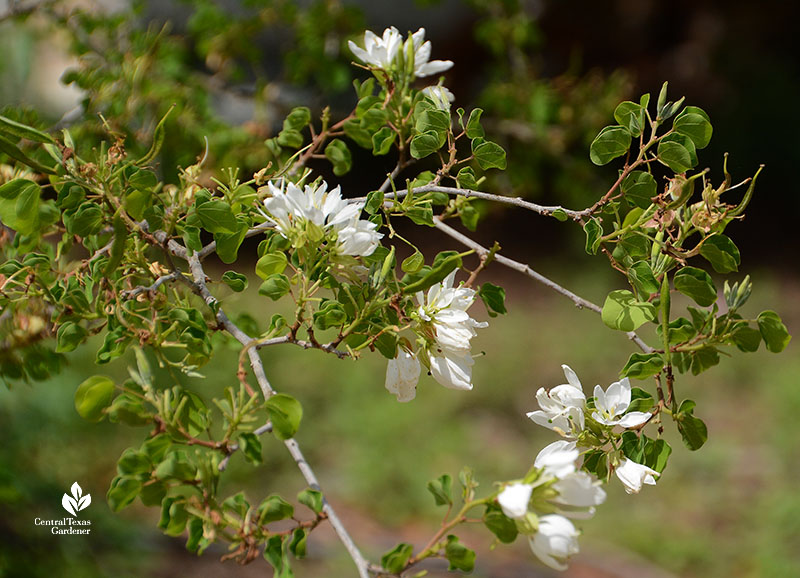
(549, 75)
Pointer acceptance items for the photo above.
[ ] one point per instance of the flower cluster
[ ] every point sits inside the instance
(560, 491)
(384, 52)
(445, 330)
(564, 409)
(316, 213)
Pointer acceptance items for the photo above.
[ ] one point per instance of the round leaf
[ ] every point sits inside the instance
(612, 142)
(93, 396)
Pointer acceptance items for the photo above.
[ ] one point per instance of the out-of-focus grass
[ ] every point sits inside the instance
(731, 509)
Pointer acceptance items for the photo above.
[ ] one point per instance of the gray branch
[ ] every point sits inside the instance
(514, 201)
(526, 270)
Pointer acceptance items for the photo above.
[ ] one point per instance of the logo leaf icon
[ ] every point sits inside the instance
(84, 502)
(69, 504)
(77, 502)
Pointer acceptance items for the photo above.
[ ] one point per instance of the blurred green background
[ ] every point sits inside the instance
(549, 75)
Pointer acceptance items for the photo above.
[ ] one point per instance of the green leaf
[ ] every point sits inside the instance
(494, 298)
(359, 135)
(680, 330)
(640, 400)
(500, 525)
(122, 492)
(697, 284)
(686, 143)
(594, 232)
(312, 499)
(489, 155)
(159, 134)
(425, 144)
(639, 188)
(330, 314)
(656, 454)
(374, 202)
(721, 252)
(285, 412)
(395, 560)
(271, 264)
(93, 396)
(133, 462)
(474, 128)
(469, 216)
(694, 123)
(291, 139)
(19, 205)
(692, 429)
(466, 178)
(610, 143)
(176, 465)
(746, 338)
(275, 287)
(217, 217)
(10, 149)
(195, 536)
(432, 120)
(442, 490)
(624, 312)
(676, 156)
(251, 447)
(444, 264)
(87, 219)
(298, 544)
(631, 116)
(413, 263)
(382, 141)
(297, 119)
(642, 365)
(276, 553)
(273, 509)
(18, 130)
(339, 155)
(459, 556)
(235, 281)
(776, 336)
(69, 336)
(642, 278)
(228, 243)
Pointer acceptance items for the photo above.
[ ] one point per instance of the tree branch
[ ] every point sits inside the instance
(200, 287)
(514, 201)
(526, 270)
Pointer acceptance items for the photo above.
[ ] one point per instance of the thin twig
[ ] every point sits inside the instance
(267, 427)
(200, 287)
(580, 302)
(152, 288)
(515, 201)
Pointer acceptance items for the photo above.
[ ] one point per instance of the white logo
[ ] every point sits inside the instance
(77, 502)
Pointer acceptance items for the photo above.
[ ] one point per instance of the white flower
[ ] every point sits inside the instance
(452, 370)
(379, 52)
(290, 208)
(444, 311)
(633, 475)
(557, 459)
(555, 541)
(359, 237)
(422, 52)
(581, 491)
(562, 407)
(613, 402)
(440, 96)
(402, 375)
(514, 500)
